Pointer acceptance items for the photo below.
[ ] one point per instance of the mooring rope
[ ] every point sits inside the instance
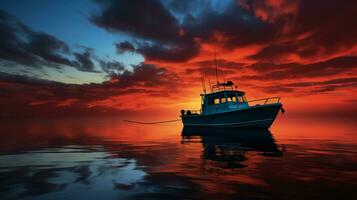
(160, 122)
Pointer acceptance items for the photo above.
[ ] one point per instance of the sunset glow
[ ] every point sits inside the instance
(94, 58)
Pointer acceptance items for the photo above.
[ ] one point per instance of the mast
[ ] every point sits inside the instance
(215, 61)
(203, 84)
(210, 86)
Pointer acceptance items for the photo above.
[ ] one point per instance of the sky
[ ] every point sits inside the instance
(147, 58)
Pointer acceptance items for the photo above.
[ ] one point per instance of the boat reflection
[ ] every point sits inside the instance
(228, 148)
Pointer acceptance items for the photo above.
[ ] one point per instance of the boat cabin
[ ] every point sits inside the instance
(223, 98)
(223, 101)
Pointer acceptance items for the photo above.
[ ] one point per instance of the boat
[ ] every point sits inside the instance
(227, 107)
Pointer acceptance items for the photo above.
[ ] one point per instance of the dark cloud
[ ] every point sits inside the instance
(317, 28)
(48, 48)
(208, 68)
(12, 47)
(271, 71)
(179, 52)
(331, 27)
(84, 61)
(112, 67)
(352, 80)
(21, 45)
(233, 27)
(275, 52)
(144, 19)
(145, 75)
(150, 22)
(125, 46)
(166, 38)
(173, 30)
(28, 96)
(313, 87)
(208, 71)
(221, 64)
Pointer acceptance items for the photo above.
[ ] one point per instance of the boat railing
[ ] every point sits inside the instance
(264, 101)
(223, 86)
(216, 88)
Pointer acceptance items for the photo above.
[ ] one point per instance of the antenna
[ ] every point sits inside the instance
(215, 61)
(210, 87)
(203, 84)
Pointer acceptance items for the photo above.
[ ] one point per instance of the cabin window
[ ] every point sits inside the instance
(231, 97)
(224, 98)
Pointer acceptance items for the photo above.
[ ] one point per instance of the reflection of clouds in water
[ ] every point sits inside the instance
(76, 170)
(112, 161)
(51, 157)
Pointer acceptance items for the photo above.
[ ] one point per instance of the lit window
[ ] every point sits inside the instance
(240, 99)
(223, 100)
(216, 101)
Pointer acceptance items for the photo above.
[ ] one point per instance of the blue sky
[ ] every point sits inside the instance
(68, 20)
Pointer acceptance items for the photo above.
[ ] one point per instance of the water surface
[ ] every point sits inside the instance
(108, 159)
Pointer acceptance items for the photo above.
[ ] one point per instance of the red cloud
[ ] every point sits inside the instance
(294, 49)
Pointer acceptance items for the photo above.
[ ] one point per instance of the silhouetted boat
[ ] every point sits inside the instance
(226, 106)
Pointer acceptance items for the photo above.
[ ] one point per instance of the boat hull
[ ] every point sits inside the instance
(261, 116)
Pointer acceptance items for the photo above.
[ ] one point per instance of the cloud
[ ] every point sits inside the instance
(146, 75)
(150, 22)
(313, 29)
(179, 52)
(143, 19)
(12, 47)
(112, 67)
(166, 38)
(21, 45)
(231, 28)
(275, 52)
(271, 71)
(226, 64)
(272, 11)
(299, 45)
(28, 96)
(285, 29)
(125, 46)
(313, 87)
(48, 48)
(84, 61)
(208, 68)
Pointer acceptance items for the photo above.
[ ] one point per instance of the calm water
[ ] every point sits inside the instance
(109, 159)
